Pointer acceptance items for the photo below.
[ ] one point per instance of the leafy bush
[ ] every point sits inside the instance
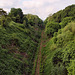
(71, 27)
(65, 21)
(51, 27)
(60, 52)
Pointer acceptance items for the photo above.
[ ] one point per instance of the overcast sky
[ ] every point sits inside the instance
(42, 8)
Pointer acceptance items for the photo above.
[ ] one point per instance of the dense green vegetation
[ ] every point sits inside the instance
(51, 27)
(60, 15)
(59, 20)
(20, 43)
(58, 56)
(2, 12)
(60, 52)
(19, 39)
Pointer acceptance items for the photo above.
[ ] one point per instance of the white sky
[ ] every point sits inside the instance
(42, 8)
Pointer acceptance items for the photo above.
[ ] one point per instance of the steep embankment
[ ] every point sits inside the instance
(17, 49)
(60, 52)
(19, 38)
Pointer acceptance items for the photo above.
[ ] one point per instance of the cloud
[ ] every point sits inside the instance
(6, 3)
(36, 7)
(31, 4)
(37, 3)
(41, 8)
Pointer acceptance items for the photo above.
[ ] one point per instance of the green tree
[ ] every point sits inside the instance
(3, 21)
(24, 23)
(2, 12)
(17, 13)
(59, 69)
(52, 27)
(18, 19)
(65, 21)
(71, 68)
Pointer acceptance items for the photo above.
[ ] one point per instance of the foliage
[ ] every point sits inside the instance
(60, 15)
(16, 15)
(2, 12)
(18, 45)
(51, 27)
(4, 21)
(65, 21)
(60, 52)
(34, 20)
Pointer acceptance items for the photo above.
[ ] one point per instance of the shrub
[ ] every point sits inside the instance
(51, 27)
(65, 21)
(71, 27)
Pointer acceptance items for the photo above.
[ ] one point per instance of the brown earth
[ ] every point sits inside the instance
(37, 71)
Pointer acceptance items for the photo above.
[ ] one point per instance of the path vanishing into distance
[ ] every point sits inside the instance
(37, 70)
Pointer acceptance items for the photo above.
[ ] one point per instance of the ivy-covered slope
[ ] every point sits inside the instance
(58, 55)
(60, 52)
(18, 44)
(19, 39)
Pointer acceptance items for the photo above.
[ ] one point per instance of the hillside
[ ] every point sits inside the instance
(60, 15)
(58, 55)
(60, 52)
(19, 40)
(29, 46)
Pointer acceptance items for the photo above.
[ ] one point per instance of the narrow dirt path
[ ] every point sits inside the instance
(37, 71)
